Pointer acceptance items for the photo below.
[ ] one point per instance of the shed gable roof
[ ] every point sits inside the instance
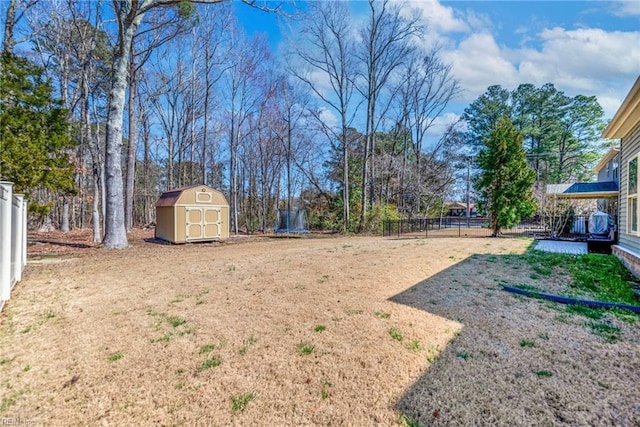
(171, 197)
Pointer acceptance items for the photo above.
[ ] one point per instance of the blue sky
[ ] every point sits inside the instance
(582, 47)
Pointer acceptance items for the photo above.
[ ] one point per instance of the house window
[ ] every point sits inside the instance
(632, 196)
(615, 170)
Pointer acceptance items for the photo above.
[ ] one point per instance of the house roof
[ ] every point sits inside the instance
(584, 190)
(459, 205)
(628, 115)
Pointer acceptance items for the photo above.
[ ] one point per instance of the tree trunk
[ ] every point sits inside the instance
(64, 223)
(148, 202)
(132, 147)
(345, 176)
(115, 233)
(95, 206)
(203, 160)
(9, 23)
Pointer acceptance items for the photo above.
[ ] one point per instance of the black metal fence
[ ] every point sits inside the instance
(481, 227)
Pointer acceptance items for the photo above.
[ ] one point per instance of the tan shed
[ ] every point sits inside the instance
(192, 214)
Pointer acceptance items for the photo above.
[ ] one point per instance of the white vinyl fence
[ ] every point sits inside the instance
(13, 239)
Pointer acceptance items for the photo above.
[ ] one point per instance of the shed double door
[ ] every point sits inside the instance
(203, 223)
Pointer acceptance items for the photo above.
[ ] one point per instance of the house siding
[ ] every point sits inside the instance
(630, 147)
(607, 172)
(604, 174)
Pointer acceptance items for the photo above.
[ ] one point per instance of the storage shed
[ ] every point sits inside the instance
(197, 213)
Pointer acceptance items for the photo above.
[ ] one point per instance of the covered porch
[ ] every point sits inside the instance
(598, 236)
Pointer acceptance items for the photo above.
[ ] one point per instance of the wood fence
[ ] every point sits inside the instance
(13, 239)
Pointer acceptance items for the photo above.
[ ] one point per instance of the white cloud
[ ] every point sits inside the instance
(626, 7)
(593, 53)
(440, 125)
(439, 18)
(589, 61)
(478, 62)
(328, 118)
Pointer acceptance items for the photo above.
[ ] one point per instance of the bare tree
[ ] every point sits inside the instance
(328, 46)
(425, 92)
(386, 43)
(242, 88)
(213, 47)
(129, 15)
(160, 28)
(73, 51)
(16, 10)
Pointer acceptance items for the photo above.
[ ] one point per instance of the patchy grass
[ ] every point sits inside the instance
(246, 344)
(164, 338)
(593, 276)
(319, 328)
(325, 387)
(464, 355)
(445, 382)
(432, 352)
(211, 362)
(414, 345)
(544, 263)
(525, 343)
(382, 314)
(610, 333)
(113, 357)
(239, 402)
(10, 400)
(582, 310)
(206, 349)
(175, 321)
(395, 333)
(603, 276)
(305, 349)
(409, 422)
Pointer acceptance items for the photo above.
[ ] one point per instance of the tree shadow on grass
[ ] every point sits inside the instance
(516, 360)
(58, 243)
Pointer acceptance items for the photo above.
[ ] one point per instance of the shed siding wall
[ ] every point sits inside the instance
(164, 223)
(171, 220)
(630, 147)
(224, 226)
(181, 221)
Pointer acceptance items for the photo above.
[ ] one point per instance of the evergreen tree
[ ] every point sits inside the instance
(34, 138)
(505, 181)
(561, 134)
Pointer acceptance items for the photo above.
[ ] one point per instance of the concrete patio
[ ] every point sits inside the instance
(562, 247)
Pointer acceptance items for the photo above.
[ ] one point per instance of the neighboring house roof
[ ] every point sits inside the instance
(613, 152)
(584, 190)
(627, 116)
(557, 188)
(459, 205)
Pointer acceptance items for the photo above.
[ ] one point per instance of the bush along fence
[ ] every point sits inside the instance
(480, 227)
(13, 239)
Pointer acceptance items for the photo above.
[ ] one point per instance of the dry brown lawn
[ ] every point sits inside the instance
(307, 331)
